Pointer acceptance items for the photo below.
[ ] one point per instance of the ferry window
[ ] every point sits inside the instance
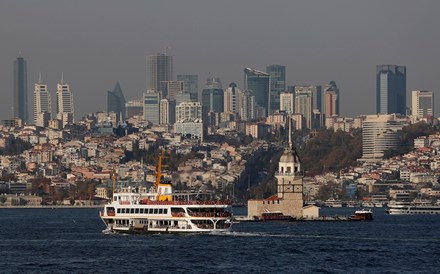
(150, 211)
(123, 210)
(119, 210)
(136, 210)
(165, 211)
(160, 211)
(155, 211)
(141, 211)
(132, 210)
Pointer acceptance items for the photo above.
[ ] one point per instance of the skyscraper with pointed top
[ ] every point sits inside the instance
(116, 101)
(20, 106)
(65, 108)
(42, 100)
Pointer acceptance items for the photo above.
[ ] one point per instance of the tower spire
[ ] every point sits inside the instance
(39, 78)
(290, 131)
(62, 77)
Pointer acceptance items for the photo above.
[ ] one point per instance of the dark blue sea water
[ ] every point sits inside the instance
(72, 241)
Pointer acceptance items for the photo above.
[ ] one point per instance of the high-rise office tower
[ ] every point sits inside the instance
(259, 83)
(65, 107)
(380, 133)
(331, 100)
(422, 103)
(248, 107)
(277, 85)
(42, 101)
(304, 105)
(151, 100)
(20, 90)
(160, 68)
(171, 88)
(167, 111)
(213, 96)
(287, 102)
(190, 85)
(134, 107)
(116, 101)
(233, 99)
(183, 97)
(316, 92)
(391, 89)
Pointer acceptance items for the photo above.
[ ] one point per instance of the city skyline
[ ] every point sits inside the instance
(344, 45)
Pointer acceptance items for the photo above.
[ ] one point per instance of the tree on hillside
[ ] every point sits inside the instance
(329, 150)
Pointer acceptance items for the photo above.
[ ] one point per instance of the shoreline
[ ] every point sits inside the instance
(52, 207)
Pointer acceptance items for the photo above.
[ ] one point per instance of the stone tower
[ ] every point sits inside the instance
(290, 179)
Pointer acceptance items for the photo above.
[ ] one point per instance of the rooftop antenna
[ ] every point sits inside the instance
(62, 77)
(39, 78)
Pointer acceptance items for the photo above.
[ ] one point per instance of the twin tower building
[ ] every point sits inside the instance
(43, 114)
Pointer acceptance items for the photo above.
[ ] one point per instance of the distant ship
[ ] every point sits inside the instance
(160, 210)
(415, 207)
(361, 215)
(274, 216)
(332, 202)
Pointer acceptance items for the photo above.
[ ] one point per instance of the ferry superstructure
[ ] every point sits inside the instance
(415, 207)
(161, 210)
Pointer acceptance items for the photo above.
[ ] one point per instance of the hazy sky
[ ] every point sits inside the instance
(98, 42)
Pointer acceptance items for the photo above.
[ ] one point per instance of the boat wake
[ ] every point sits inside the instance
(108, 231)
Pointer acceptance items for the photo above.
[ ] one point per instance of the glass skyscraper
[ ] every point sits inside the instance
(20, 90)
(190, 85)
(160, 68)
(390, 89)
(116, 101)
(259, 83)
(277, 85)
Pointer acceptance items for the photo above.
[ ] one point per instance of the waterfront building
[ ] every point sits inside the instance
(133, 107)
(159, 69)
(151, 100)
(331, 100)
(190, 85)
(379, 134)
(391, 89)
(422, 103)
(289, 199)
(259, 83)
(277, 85)
(116, 101)
(20, 106)
(42, 101)
(65, 106)
(287, 102)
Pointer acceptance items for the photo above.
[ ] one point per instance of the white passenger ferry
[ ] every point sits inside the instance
(413, 208)
(160, 210)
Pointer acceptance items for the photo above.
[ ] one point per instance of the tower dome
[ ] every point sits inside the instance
(289, 161)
